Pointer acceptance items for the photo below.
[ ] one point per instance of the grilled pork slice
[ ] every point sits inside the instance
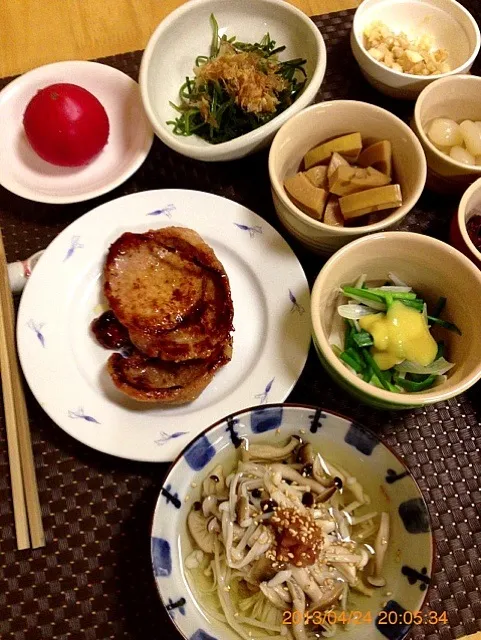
(171, 383)
(154, 280)
(200, 334)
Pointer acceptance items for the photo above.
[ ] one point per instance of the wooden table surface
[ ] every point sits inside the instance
(35, 32)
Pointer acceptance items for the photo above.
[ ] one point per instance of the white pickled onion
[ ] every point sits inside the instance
(439, 366)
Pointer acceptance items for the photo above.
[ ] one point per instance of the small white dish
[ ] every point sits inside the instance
(451, 25)
(66, 368)
(187, 33)
(24, 173)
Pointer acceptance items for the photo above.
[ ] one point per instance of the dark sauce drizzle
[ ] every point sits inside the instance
(109, 332)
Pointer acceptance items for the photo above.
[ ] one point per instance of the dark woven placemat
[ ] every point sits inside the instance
(93, 579)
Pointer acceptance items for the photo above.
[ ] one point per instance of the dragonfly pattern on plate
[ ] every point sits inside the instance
(262, 397)
(296, 306)
(252, 230)
(166, 437)
(37, 329)
(165, 211)
(80, 414)
(74, 245)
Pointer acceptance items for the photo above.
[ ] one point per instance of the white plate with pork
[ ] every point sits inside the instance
(65, 366)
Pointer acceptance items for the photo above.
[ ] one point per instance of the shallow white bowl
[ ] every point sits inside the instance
(186, 33)
(327, 120)
(459, 98)
(384, 476)
(26, 174)
(451, 25)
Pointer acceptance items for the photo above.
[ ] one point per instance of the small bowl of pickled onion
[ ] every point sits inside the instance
(447, 121)
(433, 270)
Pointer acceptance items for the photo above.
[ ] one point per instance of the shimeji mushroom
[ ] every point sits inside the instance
(209, 506)
(242, 512)
(298, 604)
(320, 470)
(331, 584)
(306, 453)
(260, 571)
(198, 527)
(271, 452)
(274, 596)
(214, 484)
(287, 473)
(380, 546)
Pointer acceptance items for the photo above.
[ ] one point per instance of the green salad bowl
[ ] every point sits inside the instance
(433, 269)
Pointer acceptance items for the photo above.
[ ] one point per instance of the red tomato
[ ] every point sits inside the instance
(66, 125)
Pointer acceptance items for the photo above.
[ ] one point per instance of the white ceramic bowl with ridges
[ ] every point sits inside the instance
(187, 33)
(328, 120)
(452, 27)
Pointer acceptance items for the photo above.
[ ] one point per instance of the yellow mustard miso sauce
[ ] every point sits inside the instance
(401, 333)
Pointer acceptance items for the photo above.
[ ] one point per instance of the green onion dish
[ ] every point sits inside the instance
(375, 353)
(236, 89)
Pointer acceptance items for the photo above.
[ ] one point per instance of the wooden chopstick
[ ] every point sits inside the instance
(22, 468)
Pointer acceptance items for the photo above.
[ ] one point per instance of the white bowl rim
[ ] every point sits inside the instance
(462, 217)
(460, 77)
(365, 6)
(211, 152)
(403, 399)
(394, 217)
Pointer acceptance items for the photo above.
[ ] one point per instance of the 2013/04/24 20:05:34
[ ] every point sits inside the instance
(360, 617)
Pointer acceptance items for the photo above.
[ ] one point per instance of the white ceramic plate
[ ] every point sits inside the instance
(23, 172)
(65, 366)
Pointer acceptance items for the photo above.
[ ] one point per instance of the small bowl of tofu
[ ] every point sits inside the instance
(342, 169)
(401, 47)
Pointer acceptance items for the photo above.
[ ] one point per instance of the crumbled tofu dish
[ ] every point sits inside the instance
(398, 52)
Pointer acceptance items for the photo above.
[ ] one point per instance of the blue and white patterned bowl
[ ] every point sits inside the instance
(409, 557)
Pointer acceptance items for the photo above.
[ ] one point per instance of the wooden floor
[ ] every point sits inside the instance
(35, 32)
